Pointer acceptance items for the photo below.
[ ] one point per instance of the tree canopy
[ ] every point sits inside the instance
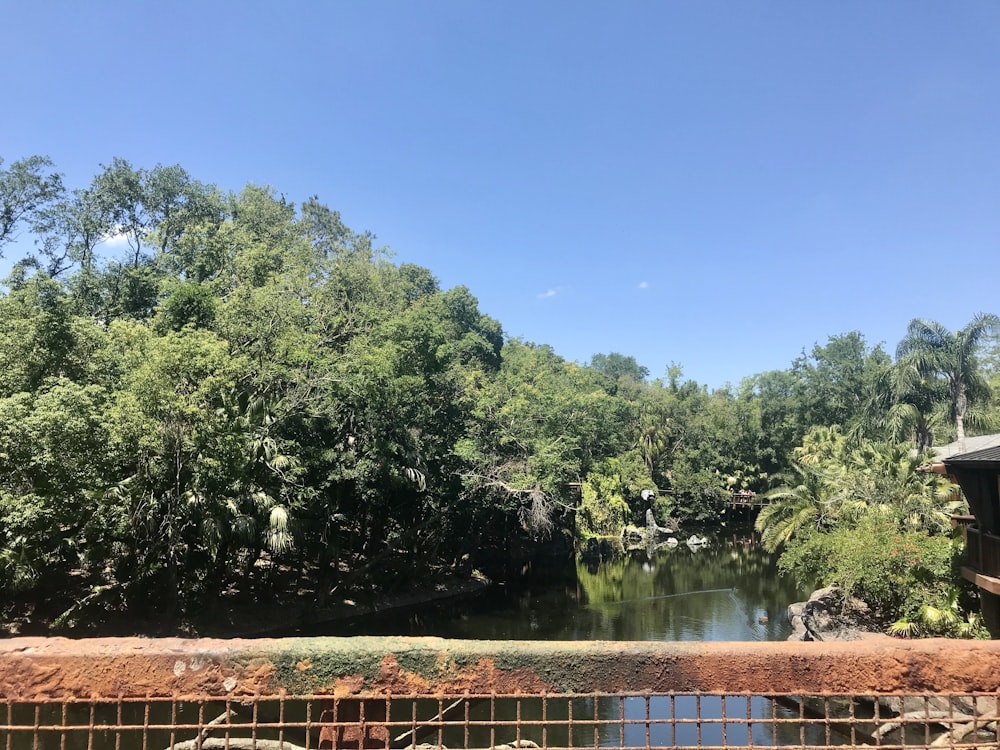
(211, 398)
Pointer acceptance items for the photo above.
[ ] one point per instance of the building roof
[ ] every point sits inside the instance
(985, 458)
(972, 445)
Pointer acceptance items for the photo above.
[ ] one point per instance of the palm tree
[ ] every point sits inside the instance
(929, 349)
(883, 480)
(900, 405)
(655, 431)
(793, 508)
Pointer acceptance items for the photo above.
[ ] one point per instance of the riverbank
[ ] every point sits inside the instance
(259, 619)
(828, 616)
(310, 618)
(727, 589)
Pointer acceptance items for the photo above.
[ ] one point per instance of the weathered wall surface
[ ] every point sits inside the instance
(53, 668)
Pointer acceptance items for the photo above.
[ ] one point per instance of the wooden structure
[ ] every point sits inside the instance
(748, 499)
(978, 474)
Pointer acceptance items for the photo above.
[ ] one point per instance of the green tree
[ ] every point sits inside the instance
(707, 449)
(895, 572)
(71, 230)
(41, 338)
(883, 480)
(900, 405)
(774, 396)
(811, 501)
(26, 188)
(175, 203)
(991, 368)
(537, 428)
(618, 367)
(838, 482)
(52, 459)
(931, 350)
(833, 379)
(609, 496)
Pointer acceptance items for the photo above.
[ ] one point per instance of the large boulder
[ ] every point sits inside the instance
(795, 618)
(829, 615)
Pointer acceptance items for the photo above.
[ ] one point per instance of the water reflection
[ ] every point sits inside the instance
(633, 722)
(728, 590)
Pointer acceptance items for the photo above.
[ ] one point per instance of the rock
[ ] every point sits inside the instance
(959, 706)
(795, 610)
(597, 549)
(828, 616)
(654, 529)
(824, 593)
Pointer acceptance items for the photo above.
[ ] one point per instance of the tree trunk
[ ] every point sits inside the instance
(925, 437)
(961, 401)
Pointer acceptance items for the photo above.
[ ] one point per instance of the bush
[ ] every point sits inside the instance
(605, 506)
(894, 572)
(603, 511)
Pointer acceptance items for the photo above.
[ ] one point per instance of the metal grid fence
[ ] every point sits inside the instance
(570, 720)
(639, 720)
(471, 695)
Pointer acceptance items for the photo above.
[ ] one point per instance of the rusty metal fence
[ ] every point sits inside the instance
(425, 692)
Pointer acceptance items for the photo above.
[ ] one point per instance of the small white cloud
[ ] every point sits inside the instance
(119, 239)
(548, 293)
(644, 285)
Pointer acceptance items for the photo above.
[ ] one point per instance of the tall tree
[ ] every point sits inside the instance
(70, 230)
(831, 381)
(900, 405)
(119, 193)
(27, 187)
(776, 401)
(616, 366)
(931, 350)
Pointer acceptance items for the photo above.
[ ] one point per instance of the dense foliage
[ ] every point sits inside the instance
(861, 516)
(210, 398)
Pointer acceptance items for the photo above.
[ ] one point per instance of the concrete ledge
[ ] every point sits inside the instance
(54, 668)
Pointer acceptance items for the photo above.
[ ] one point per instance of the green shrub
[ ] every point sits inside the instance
(894, 572)
(607, 491)
(603, 510)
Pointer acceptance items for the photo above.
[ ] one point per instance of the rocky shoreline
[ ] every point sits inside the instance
(830, 616)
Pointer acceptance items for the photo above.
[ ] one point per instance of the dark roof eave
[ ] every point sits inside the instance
(987, 458)
(981, 464)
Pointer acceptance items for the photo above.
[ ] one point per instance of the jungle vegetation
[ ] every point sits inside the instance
(211, 398)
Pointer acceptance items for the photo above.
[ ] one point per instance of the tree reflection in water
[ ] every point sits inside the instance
(728, 590)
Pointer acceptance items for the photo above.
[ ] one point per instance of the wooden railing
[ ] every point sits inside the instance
(982, 551)
(748, 500)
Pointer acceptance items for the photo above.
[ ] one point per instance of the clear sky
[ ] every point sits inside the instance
(716, 184)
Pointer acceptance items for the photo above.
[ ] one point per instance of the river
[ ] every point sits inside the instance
(728, 590)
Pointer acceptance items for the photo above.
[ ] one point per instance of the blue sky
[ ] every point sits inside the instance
(716, 184)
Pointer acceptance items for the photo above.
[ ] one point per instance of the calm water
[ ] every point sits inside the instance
(728, 590)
